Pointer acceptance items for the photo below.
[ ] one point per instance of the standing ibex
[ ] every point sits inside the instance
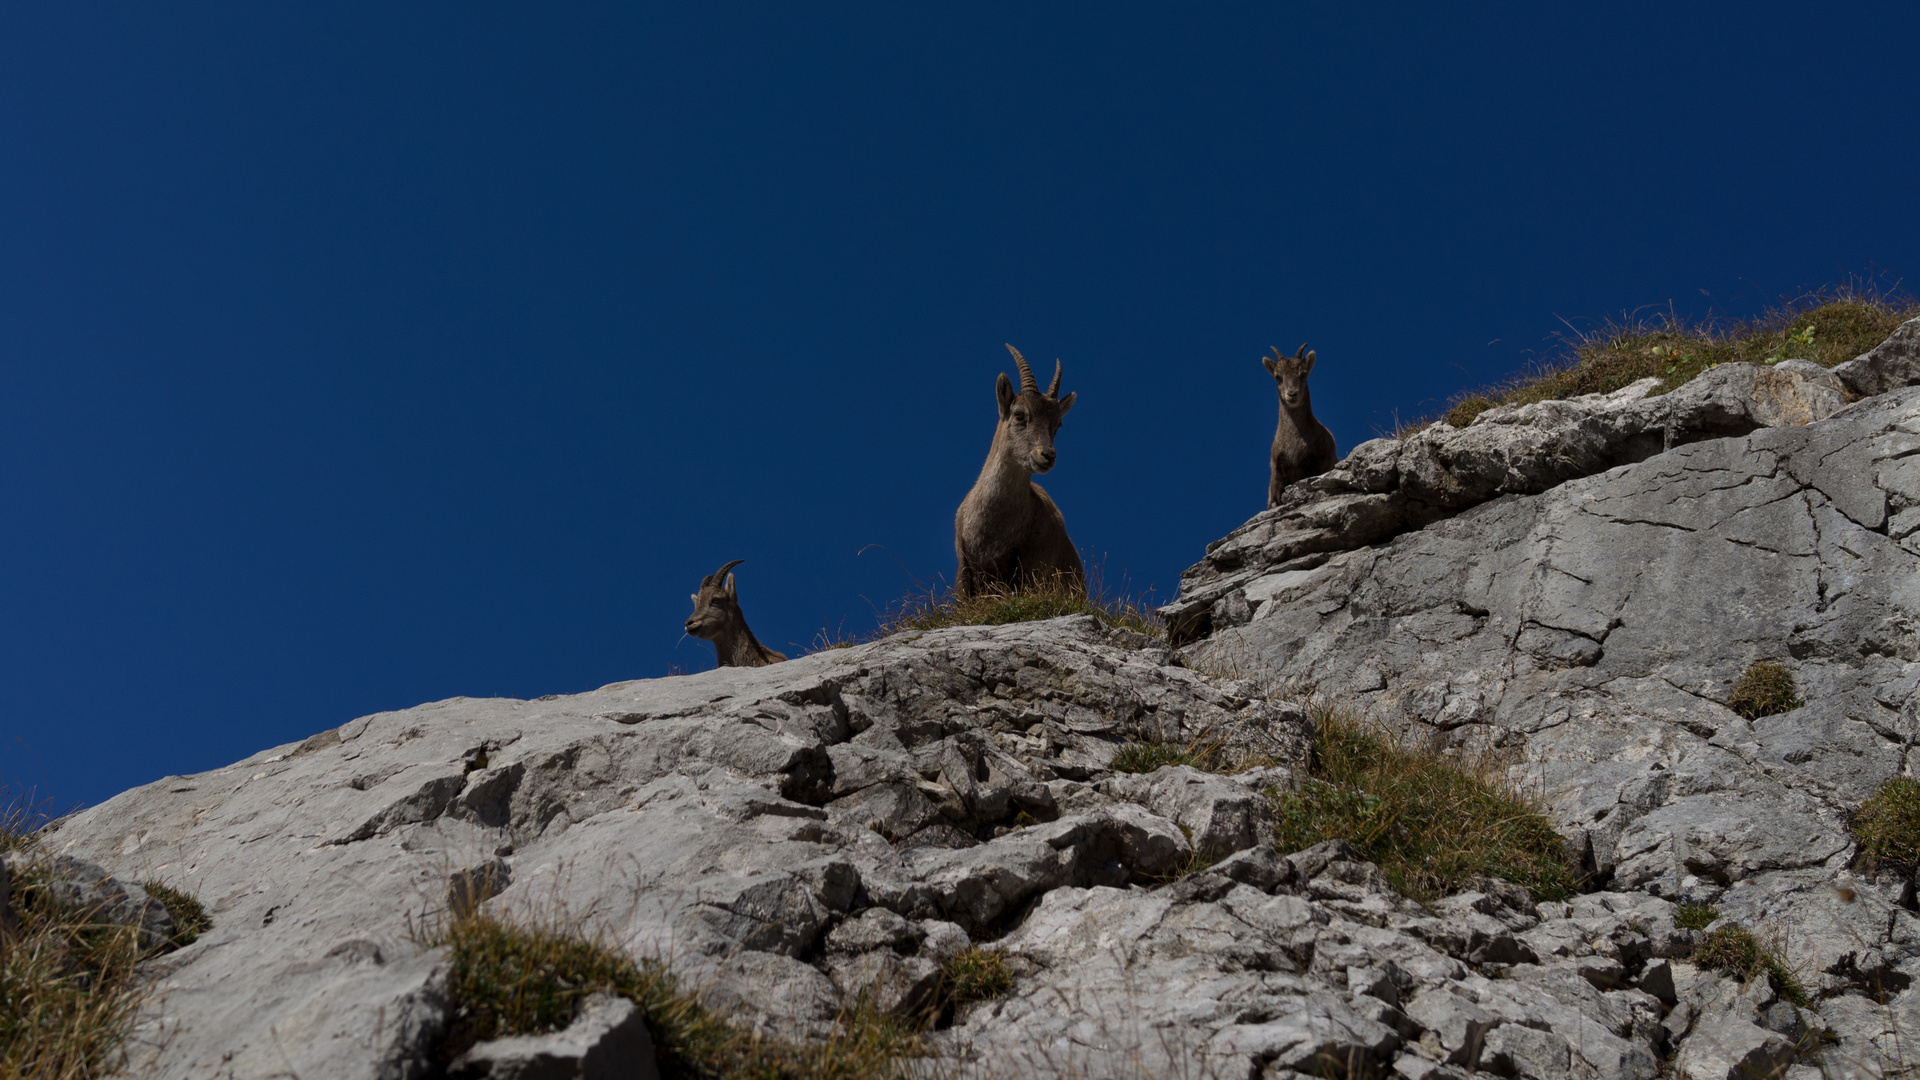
(1007, 532)
(717, 618)
(1302, 446)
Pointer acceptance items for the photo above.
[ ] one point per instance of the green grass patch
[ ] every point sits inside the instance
(1695, 916)
(1144, 757)
(1432, 823)
(510, 979)
(1734, 949)
(190, 918)
(1828, 326)
(1765, 690)
(1887, 825)
(975, 975)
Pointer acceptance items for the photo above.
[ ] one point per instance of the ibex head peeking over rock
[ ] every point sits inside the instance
(1302, 445)
(1007, 532)
(717, 618)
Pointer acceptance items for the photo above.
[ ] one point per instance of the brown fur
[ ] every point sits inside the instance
(1007, 532)
(1302, 445)
(717, 618)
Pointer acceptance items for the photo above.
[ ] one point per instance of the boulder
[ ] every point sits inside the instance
(607, 1040)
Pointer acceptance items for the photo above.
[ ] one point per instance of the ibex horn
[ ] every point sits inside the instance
(720, 575)
(1054, 390)
(1301, 353)
(1026, 373)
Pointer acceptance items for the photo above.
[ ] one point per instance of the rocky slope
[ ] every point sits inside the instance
(1577, 583)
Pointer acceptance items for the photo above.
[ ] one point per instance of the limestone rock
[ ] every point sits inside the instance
(607, 1040)
(1387, 487)
(1892, 364)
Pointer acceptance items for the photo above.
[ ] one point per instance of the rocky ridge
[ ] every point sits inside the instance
(793, 836)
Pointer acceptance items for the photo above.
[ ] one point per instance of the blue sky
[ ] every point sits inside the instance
(359, 355)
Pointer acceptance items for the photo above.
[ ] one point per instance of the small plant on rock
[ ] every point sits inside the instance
(1695, 916)
(1765, 690)
(975, 975)
(1734, 950)
(1887, 825)
(190, 918)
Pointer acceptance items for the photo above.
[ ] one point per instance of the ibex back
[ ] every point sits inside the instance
(1302, 445)
(1008, 533)
(717, 618)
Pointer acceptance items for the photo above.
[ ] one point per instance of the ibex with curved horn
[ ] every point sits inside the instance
(717, 618)
(1302, 445)
(1007, 532)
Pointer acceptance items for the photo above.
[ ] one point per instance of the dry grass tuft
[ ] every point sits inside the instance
(1765, 690)
(511, 979)
(1828, 326)
(1887, 825)
(935, 610)
(70, 985)
(1432, 823)
(1735, 950)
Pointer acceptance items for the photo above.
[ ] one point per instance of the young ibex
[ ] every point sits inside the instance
(717, 618)
(1302, 446)
(1007, 532)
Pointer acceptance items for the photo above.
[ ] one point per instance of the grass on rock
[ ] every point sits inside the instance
(1734, 949)
(1695, 916)
(1766, 689)
(190, 918)
(1887, 825)
(935, 610)
(1431, 822)
(511, 979)
(1828, 327)
(975, 975)
(69, 985)
(1144, 757)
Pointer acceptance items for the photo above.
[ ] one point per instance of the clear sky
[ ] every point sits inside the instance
(358, 355)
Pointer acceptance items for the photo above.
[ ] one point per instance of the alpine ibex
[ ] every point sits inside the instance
(1302, 446)
(717, 618)
(1007, 532)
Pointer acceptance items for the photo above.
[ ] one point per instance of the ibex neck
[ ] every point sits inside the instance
(737, 647)
(1005, 474)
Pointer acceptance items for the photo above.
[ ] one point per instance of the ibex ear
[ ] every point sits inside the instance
(1066, 403)
(730, 592)
(1273, 369)
(1004, 390)
(695, 597)
(1310, 358)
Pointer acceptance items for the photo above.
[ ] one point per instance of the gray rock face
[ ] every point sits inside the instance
(1387, 487)
(1594, 632)
(1574, 585)
(771, 831)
